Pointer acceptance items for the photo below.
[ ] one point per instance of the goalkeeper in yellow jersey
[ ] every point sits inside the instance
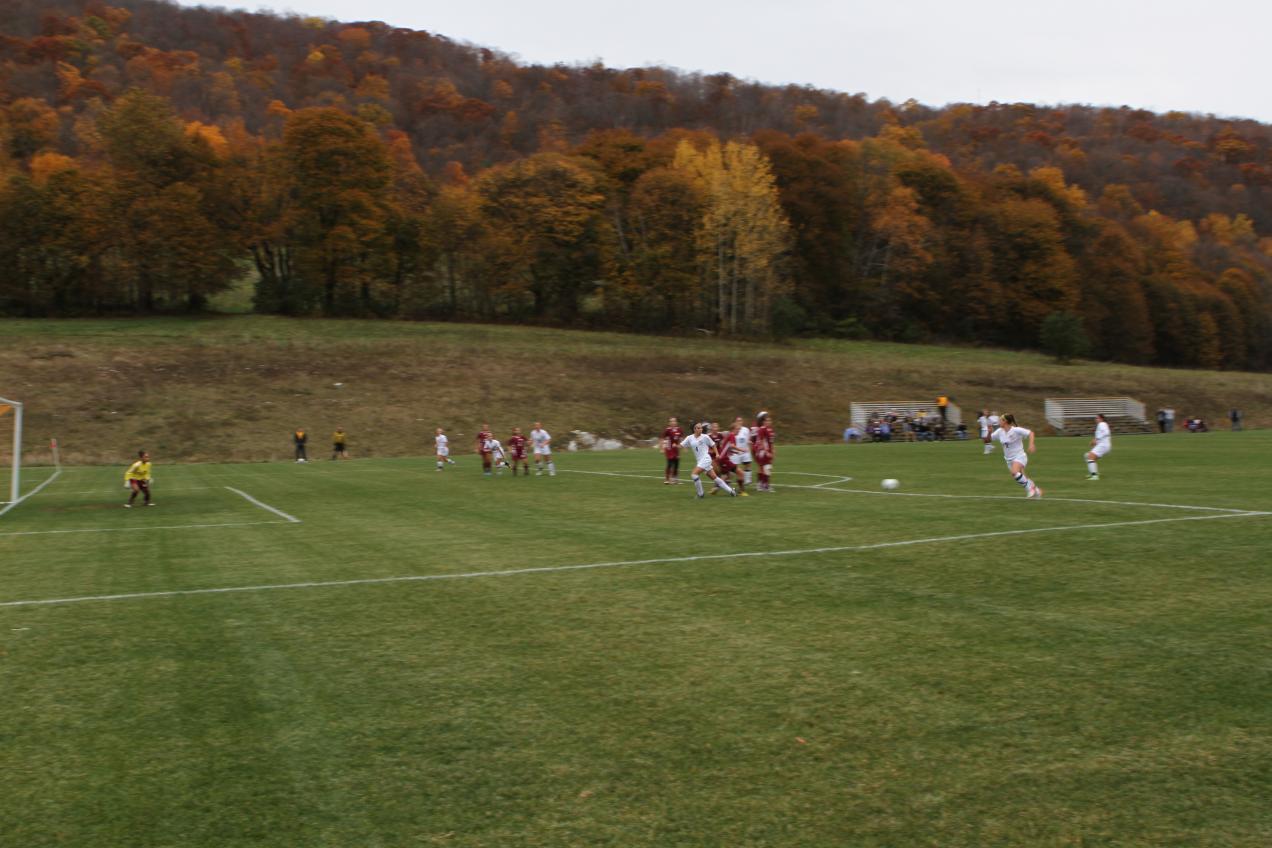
(137, 478)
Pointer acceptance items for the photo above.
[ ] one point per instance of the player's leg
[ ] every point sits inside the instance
(1017, 470)
(547, 457)
(675, 471)
(720, 482)
(1093, 468)
(132, 495)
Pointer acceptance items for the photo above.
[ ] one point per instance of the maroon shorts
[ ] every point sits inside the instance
(764, 458)
(139, 485)
(727, 467)
(672, 454)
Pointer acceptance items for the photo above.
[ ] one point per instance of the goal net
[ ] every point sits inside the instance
(13, 459)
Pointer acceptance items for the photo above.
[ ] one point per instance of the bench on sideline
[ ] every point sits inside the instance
(1076, 416)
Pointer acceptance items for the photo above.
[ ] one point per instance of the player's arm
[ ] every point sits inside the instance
(1031, 441)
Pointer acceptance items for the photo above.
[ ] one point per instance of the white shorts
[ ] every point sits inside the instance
(984, 432)
(443, 451)
(1101, 450)
(1023, 459)
(708, 467)
(739, 458)
(542, 451)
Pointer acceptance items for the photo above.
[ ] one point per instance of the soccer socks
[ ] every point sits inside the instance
(439, 465)
(551, 469)
(697, 485)
(1092, 467)
(746, 476)
(720, 484)
(1024, 481)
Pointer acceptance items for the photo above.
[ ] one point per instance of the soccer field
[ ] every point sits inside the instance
(372, 653)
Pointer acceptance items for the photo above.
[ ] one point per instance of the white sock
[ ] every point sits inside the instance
(439, 466)
(552, 468)
(746, 476)
(1092, 467)
(1024, 481)
(697, 485)
(719, 481)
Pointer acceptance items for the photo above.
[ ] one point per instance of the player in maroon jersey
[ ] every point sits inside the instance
(762, 444)
(728, 451)
(483, 438)
(671, 437)
(517, 451)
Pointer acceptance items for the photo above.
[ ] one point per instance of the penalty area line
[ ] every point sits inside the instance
(293, 519)
(31, 493)
(139, 529)
(510, 572)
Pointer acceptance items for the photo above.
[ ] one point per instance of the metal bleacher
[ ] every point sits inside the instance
(1076, 416)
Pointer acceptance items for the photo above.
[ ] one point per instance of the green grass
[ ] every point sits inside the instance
(232, 388)
(1106, 686)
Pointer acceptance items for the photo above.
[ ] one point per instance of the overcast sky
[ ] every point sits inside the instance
(1159, 55)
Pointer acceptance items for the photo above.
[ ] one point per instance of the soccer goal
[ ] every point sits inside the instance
(11, 420)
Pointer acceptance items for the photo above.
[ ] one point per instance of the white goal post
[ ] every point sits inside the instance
(15, 407)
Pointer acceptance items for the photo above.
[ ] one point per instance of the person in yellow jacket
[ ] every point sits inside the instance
(138, 478)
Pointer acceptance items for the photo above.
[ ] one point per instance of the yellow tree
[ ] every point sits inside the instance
(743, 234)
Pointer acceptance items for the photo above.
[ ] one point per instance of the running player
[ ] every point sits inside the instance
(542, 443)
(742, 437)
(138, 478)
(517, 451)
(1101, 444)
(671, 436)
(1012, 437)
(443, 449)
(983, 421)
(483, 438)
(763, 439)
(703, 448)
(497, 455)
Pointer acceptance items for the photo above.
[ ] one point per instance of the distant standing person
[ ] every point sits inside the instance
(483, 448)
(742, 458)
(1234, 415)
(442, 446)
(299, 439)
(762, 440)
(517, 451)
(1161, 420)
(1101, 444)
(671, 436)
(138, 479)
(339, 444)
(1012, 437)
(541, 440)
(983, 421)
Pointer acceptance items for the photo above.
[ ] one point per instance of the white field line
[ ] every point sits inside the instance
(829, 487)
(293, 519)
(138, 529)
(112, 491)
(31, 493)
(510, 572)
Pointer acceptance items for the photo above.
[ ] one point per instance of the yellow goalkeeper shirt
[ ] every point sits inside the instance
(139, 470)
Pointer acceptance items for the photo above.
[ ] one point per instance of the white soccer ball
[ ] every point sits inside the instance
(890, 484)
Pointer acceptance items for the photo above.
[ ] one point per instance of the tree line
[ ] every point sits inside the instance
(141, 176)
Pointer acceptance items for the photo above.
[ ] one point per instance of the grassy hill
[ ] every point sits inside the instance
(233, 387)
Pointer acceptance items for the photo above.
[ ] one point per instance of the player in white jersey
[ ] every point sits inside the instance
(742, 449)
(541, 441)
(443, 449)
(1012, 438)
(703, 450)
(1101, 444)
(495, 449)
(983, 421)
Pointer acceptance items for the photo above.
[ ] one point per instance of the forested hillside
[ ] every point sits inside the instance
(152, 156)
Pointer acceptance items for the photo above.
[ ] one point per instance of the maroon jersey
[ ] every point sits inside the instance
(517, 446)
(728, 448)
(672, 437)
(482, 438)
(763, 440)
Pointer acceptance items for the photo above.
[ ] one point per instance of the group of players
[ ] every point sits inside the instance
(1013, 437)
(496, 456)
(720, 455)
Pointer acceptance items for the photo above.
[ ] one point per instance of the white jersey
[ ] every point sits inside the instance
(742, 445)
(701, 447)
(1103, 435)
(983, 421)
(443, 445)
(541, 441)
(494, 448)
(993, 422)
(1013, 442)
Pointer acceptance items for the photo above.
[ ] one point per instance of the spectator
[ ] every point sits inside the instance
(1170, 419)
(1234, 415)
(852, 434)
(1161, 420)
(885, 432)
